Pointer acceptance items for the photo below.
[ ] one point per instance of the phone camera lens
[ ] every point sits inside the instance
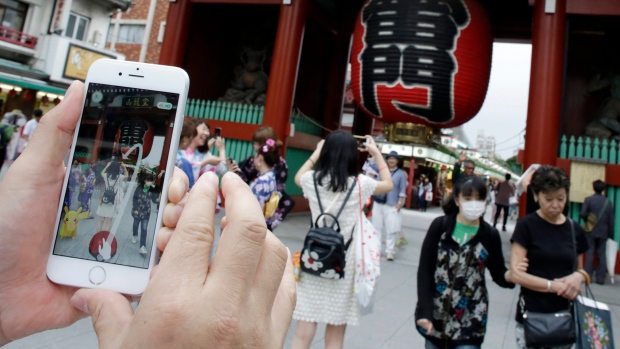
(137, 68)
(119, 74)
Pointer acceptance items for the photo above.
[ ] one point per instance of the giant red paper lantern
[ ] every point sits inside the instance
(132, 132)
(426, 62)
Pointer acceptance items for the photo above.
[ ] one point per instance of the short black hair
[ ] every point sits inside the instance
(37, 112)
(471, 162)
(599, 186)
(508, 176)
(549, 179)
(337, 161)
(470, 186)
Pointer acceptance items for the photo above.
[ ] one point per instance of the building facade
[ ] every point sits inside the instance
(45, 45)
(138, 32)
(485, 145)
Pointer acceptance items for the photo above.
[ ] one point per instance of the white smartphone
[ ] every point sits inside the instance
(123, 153)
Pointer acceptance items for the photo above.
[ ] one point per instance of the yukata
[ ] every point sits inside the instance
(248, 173)
(85, 196)
(262, 188)
(74, 182)
(195, 158)
(186, 167)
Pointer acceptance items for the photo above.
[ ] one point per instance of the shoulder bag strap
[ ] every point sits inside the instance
(346, 198)
(316, 189)
(572, 230)
(600, 213)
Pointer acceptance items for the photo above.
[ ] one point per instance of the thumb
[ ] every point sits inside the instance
(111, 313)
(56, 128)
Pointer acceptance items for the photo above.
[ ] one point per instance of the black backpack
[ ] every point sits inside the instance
(109, 194)
(324, 249)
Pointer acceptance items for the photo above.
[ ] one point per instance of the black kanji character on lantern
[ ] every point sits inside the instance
(411, 41)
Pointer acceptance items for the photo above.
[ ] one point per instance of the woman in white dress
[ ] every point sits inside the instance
(325, 300)
(113, 174)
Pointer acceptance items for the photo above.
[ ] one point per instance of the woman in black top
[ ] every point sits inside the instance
(452, 307)
(546, 239)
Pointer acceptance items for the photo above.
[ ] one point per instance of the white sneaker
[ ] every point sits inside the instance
(133, 239)
(143, 250)
(390, 257)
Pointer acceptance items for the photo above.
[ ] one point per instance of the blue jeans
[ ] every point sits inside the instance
(430, 345)
(143, 223)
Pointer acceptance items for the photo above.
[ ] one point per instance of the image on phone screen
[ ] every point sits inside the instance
(112, 197)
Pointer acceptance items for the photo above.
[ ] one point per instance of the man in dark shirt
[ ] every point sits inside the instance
(468, 169)
(600, 206)
(505, 190)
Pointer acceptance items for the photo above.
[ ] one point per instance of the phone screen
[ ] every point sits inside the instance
(112, 197)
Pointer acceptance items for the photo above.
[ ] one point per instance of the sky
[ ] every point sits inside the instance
(504, 111)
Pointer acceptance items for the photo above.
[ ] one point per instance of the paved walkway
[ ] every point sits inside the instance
(392, 324)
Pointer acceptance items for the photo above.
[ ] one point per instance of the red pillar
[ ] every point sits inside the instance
(284, 66)
(337, 80)
(546, 78)
(410, 184)
(175, 36)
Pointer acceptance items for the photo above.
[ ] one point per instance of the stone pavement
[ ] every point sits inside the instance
(391, 325)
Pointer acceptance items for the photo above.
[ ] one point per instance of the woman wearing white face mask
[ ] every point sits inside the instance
(141, 208)
(452, 307)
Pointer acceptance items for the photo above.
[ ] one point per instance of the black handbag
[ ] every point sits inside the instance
(324, 248)
(550, 329)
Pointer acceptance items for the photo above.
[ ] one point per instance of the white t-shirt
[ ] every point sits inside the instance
(31, 125)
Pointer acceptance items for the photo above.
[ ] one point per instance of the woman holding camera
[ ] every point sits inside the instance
(335, 163)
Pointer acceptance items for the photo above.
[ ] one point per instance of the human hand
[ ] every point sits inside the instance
(319, 147)
(462, 157)
(105, 249)
(398, 207)
(569, 286)
(426, 324)
(523, 265)
(232, 166)
(211, 142)
(220, 143)
(371, 147)
(234, 301)
(31, 303)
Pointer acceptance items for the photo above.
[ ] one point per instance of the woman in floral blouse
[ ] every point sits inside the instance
(265, 184)
(452, 309)
(248, 172)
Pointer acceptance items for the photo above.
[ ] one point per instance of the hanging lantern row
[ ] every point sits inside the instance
(426, 62)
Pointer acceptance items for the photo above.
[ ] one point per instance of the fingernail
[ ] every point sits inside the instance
(80, 303)
(71, 89)
(290, 258)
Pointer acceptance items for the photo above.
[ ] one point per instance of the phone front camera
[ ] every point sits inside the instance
(119, 74)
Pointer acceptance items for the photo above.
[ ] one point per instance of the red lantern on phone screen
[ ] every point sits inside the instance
(425, 62)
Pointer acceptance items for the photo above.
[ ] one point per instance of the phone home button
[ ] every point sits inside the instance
(96, 275)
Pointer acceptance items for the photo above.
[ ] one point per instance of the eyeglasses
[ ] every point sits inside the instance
(470, 168)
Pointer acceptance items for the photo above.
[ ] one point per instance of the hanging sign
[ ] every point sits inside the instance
(422, 61)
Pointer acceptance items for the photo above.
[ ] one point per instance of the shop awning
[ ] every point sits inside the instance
(34, 84)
